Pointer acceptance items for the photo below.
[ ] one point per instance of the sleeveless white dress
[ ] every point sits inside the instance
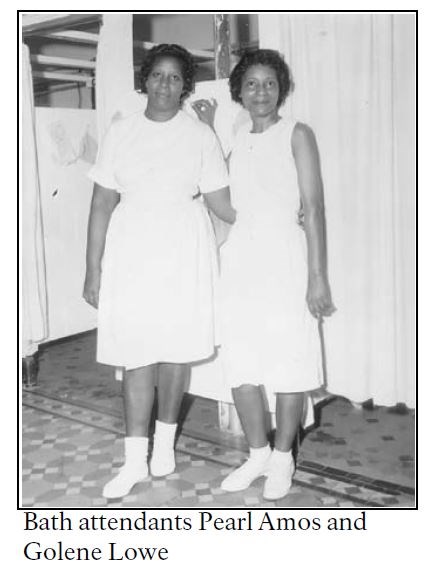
(268, 336)
(158, 287)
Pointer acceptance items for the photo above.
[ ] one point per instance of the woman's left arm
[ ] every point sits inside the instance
(306, 155)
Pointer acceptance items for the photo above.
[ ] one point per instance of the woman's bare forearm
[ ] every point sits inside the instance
(219, 203)
(103, 204)
(315, 231)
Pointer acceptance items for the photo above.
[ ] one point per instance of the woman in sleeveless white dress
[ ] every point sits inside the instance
(155, 284)
(270, 343)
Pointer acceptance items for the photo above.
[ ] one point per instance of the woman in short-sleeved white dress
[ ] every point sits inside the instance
(159, 269)
(151, 256)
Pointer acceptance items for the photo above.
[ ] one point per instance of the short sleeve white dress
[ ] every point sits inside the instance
(159, 270)
(268, 336)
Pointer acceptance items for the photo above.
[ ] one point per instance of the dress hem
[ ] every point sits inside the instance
(169, 360)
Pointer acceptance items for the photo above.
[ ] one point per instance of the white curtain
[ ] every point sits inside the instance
(34, 296)
(354, 80)
(114, 67)
(114, 75)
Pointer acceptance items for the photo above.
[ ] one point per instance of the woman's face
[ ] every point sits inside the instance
(260, 90)
(164, 85)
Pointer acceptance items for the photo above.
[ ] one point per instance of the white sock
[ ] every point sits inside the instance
(163, 460)
(281, 468)
(260, 454)
(284, 456)
(135, 468)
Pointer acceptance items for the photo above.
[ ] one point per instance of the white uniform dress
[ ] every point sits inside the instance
(268, 335)
(159, 270)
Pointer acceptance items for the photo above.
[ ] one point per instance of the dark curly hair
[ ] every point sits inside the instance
(177, 52)
(270, 58)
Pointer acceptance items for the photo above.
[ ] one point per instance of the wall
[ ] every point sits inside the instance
(66, 148)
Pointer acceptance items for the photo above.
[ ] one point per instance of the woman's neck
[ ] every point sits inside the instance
(262, 123)
(158, 115)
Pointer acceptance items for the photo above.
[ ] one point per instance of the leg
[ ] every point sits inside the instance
(139, 394)
(172, 380)
(139, 391)
(250, 407)
(289, 410)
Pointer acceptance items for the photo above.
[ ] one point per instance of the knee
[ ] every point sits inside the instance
(245, 388)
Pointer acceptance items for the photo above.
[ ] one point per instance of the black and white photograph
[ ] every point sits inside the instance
(218, 260)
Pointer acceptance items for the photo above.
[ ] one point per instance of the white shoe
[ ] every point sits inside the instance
(255, 467)
(134, 470)
(281, 468)
(163, 461)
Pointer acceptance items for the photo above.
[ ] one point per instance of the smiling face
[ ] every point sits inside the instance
(260, 91)
(164, 86)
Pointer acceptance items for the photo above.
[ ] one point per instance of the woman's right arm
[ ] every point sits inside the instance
(103, 203)
(219, 203)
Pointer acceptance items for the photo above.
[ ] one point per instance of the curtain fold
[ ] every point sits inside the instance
(114, 67)
(33, 281)
(355, 86)
(114, 76)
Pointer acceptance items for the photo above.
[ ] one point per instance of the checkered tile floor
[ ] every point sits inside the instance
(72, 430)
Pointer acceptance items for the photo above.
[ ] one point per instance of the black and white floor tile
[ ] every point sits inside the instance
(72, 430)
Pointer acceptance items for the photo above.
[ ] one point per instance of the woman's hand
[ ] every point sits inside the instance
(205, 110)
(319, 298)
(92, 287)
